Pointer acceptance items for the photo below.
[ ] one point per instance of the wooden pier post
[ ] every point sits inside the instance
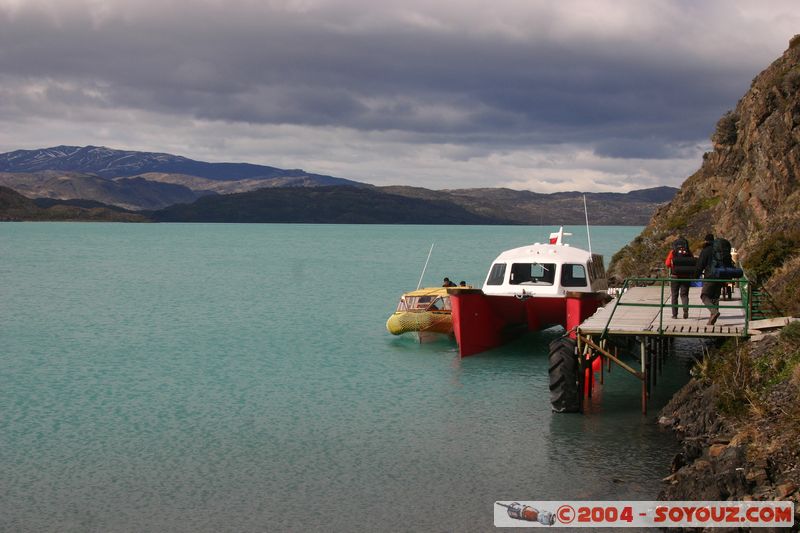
(654, 362)
(643, 355)
(602, 362)
(581, 370)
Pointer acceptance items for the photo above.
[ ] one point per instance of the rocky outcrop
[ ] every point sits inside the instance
(747, 188)
(737, 420)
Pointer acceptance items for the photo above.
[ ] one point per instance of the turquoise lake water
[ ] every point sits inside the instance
(201, 377)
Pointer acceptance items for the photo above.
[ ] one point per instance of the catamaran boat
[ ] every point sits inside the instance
(529, 288)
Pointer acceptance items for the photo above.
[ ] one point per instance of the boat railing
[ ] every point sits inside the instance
(745, 289)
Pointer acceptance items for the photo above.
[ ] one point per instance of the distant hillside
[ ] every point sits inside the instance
(332, 205)
(15, 207)
(747, 190)
(414, 205)
(525, 207)
(129, 193)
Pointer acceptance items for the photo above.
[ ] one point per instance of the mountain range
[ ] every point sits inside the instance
(139, 180)
(166, 187)
(110, 163)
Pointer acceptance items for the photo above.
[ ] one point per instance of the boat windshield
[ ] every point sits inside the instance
(497, 274)
(532, 274)
(573, 275)
(423, 303)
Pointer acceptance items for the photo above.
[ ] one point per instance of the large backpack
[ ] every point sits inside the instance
(721, 257)
(722, 262)
(680, 243)
(683, 264)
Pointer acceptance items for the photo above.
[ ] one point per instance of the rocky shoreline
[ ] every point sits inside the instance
(738, 422)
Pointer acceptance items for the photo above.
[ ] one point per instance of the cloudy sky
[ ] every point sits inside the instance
(549, 96)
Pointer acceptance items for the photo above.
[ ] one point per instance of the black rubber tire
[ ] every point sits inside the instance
(564, 376)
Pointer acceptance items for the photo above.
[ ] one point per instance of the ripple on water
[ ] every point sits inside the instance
(224, 377)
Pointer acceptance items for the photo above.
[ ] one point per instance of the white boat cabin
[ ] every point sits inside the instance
(551, 269)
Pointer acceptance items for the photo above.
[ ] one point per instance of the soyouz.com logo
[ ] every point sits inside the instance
(576, 514)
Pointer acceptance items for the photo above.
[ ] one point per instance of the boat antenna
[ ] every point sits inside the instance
(426, 265)
(588, 235)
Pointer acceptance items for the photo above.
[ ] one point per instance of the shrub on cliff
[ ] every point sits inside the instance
(726, 133)
(750, 375)
(771, 253)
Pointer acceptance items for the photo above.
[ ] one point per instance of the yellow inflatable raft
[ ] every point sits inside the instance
(425, 312)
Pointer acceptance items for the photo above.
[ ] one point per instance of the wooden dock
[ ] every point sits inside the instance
(639, 311)
(641, 318)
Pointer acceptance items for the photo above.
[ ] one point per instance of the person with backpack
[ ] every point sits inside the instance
(681, 264)
(711, 290)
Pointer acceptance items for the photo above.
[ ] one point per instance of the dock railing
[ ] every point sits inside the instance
(744, 289)
(603, 338)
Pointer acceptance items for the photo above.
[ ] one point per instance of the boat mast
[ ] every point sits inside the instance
(426, 265)
(588, 236)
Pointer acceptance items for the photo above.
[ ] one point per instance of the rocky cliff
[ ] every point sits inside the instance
(738, 421)
(746, 190)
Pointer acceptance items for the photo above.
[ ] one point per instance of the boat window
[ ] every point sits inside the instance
(533, 273)
(422, 302)
(402, 305)
(497, 274)
(573, 275)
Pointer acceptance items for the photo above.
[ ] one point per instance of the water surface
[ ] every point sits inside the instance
(201, 377)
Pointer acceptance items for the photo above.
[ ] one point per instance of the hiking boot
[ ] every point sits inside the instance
(686, 314)
(713, 318)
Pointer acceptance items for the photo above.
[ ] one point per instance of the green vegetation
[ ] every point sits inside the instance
(681, 220)
(791, 81)
(706, 203)
(771, 253)
(753, 378)
(632, 260)
(726, 132)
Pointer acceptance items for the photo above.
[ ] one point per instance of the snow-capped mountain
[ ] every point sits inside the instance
(110, 163)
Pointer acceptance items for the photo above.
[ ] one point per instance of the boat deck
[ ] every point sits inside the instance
(639, 312)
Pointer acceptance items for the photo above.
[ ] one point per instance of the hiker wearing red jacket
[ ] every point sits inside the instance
(681, 264)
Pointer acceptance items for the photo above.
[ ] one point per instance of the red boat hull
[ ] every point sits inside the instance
(482, 322)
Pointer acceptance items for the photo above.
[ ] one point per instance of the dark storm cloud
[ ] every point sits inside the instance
(297, 70)
(471, 91)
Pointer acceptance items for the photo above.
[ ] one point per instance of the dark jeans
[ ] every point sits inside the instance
(682, 288)
(710, 295)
